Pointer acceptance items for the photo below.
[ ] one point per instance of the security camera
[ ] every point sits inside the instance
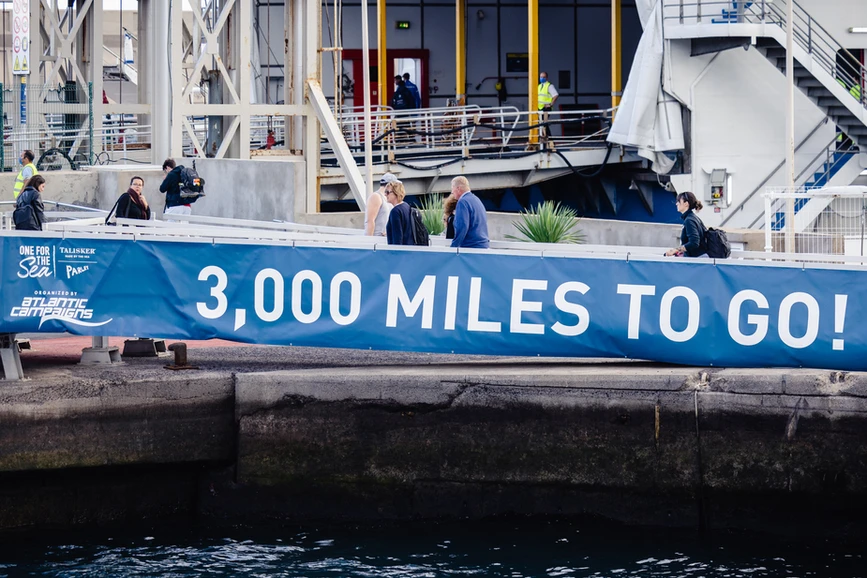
(480, 15)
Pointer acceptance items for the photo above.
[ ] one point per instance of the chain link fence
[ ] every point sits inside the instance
(53, 121)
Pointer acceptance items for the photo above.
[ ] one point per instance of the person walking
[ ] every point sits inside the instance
(378, 209)
(547, 96)
(471, 220)
(399, 228)
(449, 205)
(413, 89)
(692, 236)
(29, 170)
(132, 204)
(402, 98)
(171, 186)
(29, 214)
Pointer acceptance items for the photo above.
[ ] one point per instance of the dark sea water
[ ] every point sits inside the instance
(510, 548)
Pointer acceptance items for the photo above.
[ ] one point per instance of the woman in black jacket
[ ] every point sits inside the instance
(449, 206)
(692, 241)
(132, 204)
(29, 212)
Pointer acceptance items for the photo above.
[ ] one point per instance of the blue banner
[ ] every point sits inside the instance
(680, 311)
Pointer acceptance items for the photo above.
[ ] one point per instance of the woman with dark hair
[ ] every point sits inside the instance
(692, 236)
(132, 204)
(449, 206)
(29, 214)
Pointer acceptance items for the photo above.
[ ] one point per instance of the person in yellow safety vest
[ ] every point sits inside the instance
(547, 96)
(854, 90)
(26, 173)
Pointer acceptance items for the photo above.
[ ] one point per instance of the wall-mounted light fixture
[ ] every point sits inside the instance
(858, 30)
(480, 15)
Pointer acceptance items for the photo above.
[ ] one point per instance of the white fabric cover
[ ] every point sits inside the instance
(649, 118)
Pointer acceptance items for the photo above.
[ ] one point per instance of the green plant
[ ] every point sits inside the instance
(548, 222)
(432, 214)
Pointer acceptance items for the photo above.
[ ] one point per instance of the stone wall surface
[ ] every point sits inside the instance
(410, 435)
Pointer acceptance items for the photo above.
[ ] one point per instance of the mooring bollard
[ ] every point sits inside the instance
(180, 351)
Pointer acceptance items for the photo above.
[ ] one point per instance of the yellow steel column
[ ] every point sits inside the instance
(460, 51)
(382, 69)
(533, 67)
(616, 67)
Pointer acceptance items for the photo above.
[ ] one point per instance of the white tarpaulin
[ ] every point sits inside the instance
(649, 118)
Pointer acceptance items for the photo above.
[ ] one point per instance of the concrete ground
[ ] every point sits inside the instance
(59, 355)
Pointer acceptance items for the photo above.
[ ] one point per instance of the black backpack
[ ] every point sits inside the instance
(717, 244)
(420, 236)
(192, 186)
(25, 218)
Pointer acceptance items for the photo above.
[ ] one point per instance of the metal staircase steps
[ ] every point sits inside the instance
(815, 91)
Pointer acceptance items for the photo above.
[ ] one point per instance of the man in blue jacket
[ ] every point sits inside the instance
(471, 220)
(413, 89)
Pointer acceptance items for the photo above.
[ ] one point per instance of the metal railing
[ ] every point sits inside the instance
(833, 156)
(458, 130)
(824, 50)
(831, 221)
(216, 229)
(61, 212)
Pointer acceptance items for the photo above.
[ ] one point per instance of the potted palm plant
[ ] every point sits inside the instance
(431, 207)
(548, 222)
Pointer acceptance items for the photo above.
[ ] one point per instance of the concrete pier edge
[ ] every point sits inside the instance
(426, 437)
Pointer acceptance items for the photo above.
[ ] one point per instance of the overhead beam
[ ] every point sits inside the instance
(338, 143)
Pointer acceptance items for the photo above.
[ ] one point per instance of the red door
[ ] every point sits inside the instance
(418, 56)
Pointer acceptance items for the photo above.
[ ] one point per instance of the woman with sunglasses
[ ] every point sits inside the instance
(399, 227)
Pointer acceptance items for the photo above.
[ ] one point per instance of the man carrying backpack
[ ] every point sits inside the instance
(171, 186)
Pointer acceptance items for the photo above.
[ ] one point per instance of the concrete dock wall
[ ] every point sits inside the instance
(642, 444)
(608, 442)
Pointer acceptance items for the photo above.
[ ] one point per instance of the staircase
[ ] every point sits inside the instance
(120, 70)
(839, 110)
(824, 71)
(837, 161)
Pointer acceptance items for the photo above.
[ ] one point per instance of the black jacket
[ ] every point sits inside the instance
(399, 227)
(450, 227)
(29, 212)
(403, 98)
(692, 236)
(171, 186)
(127, 209)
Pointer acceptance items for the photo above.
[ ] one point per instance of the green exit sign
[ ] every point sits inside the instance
(402, 24)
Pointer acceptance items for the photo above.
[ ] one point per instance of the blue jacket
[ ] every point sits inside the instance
(471, 223)
(692, 235)
(399, 227)
(413, 90)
